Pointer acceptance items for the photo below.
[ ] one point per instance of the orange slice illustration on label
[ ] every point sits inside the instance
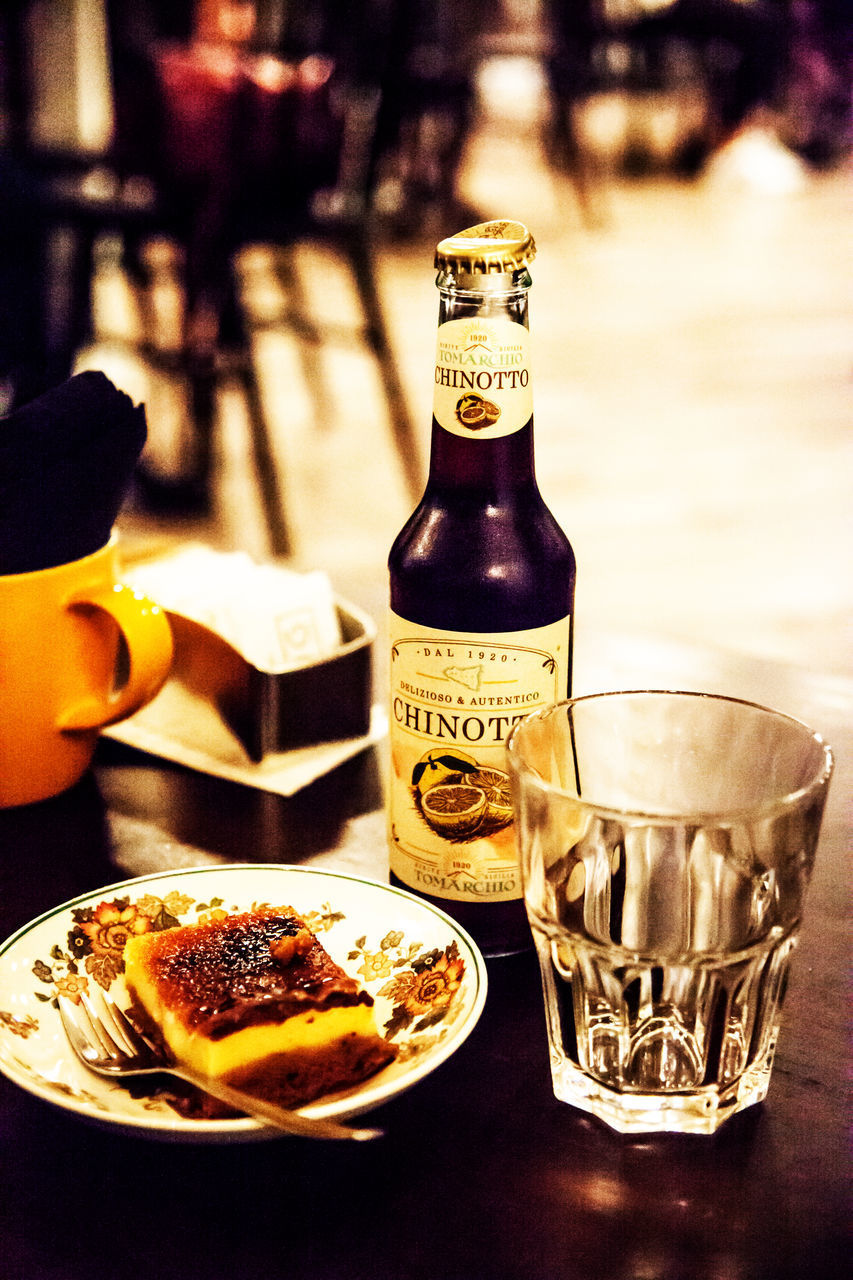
(475, 413)
(494, 784)
(454, 809)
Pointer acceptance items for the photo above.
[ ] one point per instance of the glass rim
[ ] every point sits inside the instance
(787, 801)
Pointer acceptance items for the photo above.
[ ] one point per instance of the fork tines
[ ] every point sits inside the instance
(117, 1024)
(105, 1026)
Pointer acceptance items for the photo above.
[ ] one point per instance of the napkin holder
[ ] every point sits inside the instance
(270, 712)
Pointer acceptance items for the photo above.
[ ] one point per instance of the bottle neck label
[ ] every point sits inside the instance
(454, 699)
(483, 387)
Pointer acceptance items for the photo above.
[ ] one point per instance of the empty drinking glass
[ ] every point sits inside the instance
(667, 842)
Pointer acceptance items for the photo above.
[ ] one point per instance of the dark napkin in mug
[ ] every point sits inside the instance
(66, 463)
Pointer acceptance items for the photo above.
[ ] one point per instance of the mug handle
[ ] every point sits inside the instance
(148, 637)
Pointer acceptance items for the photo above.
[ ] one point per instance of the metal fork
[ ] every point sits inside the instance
(107, 1042)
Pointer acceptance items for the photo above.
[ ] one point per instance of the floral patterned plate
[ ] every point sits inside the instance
(426, 975)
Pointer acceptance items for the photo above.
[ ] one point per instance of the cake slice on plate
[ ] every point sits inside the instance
(256, 1000)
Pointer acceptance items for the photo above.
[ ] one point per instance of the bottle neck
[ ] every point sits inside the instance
(482, 431)
(486, 296)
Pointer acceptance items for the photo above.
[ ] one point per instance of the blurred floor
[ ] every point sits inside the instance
(692, 364)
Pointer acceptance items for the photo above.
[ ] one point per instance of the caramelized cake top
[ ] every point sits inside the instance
(255, 967)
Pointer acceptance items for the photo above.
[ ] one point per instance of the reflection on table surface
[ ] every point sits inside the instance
(482, 1172)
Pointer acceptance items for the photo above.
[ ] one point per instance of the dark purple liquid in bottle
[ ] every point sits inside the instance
(482, 553)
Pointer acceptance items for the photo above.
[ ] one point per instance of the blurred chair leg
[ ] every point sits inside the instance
(67, 278)
(185, 490)
(269, 486)
(376, 331)
(571, 159)
(308, 333)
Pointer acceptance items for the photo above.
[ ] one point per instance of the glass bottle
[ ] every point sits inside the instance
(482, 587)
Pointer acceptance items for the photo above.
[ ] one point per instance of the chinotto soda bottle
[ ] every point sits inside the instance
(482, 587)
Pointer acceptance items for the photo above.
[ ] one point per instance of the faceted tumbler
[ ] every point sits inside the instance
(667, 842)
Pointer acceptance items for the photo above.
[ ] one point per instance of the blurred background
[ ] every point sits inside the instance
(231, 208)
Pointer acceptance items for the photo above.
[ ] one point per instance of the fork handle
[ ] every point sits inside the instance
(278, 1117)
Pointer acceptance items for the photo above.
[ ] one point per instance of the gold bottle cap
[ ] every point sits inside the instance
(497, 247)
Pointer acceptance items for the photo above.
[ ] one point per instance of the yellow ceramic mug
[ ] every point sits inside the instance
(78, 650)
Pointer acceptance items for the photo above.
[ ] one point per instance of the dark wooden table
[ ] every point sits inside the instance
(482, 1174)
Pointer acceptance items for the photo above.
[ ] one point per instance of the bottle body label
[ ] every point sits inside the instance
(483, 386)
(454, 699)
